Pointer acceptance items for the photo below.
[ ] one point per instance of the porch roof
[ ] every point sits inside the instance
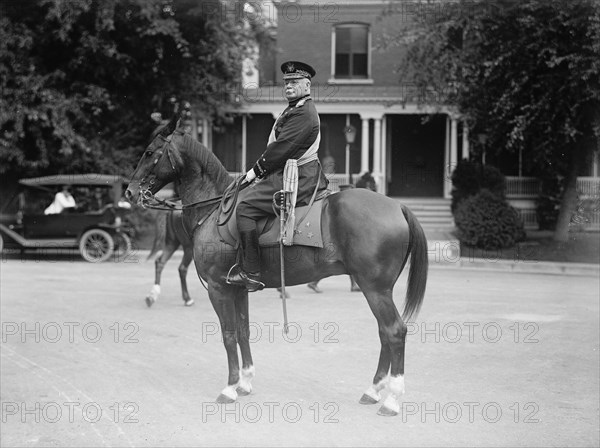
(346, 98)
(405, 93)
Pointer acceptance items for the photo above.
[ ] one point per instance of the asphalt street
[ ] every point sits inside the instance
(495, 358)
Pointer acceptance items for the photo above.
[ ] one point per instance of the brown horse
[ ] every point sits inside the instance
(366, 234)
(169, 235)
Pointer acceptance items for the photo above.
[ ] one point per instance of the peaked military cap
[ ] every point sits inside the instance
(297, 70)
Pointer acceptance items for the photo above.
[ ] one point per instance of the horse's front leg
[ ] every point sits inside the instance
(243, 337)
(223, 301)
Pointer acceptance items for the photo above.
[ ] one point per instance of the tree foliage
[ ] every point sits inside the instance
(79, 79)
(526, 74)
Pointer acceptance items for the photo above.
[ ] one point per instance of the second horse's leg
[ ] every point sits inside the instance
(159, 265)
(183, 269)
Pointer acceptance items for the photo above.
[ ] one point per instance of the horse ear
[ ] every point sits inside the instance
(171, 126)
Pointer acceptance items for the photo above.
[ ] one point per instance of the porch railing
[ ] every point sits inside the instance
(521, 187)
(529, 187)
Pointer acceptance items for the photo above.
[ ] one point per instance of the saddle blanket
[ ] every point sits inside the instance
(307, 229)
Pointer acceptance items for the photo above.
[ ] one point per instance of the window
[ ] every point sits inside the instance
(351, 51)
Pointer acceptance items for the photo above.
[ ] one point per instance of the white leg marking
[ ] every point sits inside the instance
(155, 292)
(245, 384)
(230, 392)
(396, 386)
(373, 390)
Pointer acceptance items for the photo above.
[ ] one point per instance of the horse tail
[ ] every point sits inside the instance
(160, 228)
(419, 265)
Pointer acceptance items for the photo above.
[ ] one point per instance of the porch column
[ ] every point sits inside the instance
(244, 145)
(377, 150)
(453, 144)
(465, 141)
(382, 188)
(447, 185)
(364, 152)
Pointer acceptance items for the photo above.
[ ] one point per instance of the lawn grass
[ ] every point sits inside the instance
(582, 247)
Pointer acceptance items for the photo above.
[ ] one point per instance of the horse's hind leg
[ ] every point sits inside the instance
(183, 270)
(392, 334)
(243, 337)
(159, 265)
(372, 394)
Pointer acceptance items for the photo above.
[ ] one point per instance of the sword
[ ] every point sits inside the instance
(281, 256)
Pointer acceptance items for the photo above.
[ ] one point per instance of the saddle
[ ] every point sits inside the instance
(307, 228)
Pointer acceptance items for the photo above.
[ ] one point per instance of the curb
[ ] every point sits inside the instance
(525, 267)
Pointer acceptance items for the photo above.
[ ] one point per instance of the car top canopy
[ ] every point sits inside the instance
(90, 179)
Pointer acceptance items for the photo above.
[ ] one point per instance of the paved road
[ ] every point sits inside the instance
(494, 359)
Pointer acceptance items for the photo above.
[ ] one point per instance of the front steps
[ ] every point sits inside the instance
(438, 223)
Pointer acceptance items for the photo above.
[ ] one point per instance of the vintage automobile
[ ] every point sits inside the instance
(96, 226)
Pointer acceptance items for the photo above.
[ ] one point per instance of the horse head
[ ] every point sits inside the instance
(158, 166)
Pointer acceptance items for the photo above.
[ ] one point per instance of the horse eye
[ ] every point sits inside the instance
(148, 153)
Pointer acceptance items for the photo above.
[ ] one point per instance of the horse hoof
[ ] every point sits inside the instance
(189, 302)
(149, 301)
(242, 392)
(224, 399)
(386, 412)
(367, 399)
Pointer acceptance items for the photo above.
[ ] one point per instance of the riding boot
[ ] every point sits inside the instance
(248, 275)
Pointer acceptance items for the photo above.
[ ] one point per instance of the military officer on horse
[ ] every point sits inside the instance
(295, 135)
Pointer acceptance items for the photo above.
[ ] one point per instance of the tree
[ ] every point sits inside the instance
(526, 74)
(79, 79)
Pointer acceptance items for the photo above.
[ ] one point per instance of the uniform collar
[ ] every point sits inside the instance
(297, 100)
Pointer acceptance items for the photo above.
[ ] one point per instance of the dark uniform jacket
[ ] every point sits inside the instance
(294, 132)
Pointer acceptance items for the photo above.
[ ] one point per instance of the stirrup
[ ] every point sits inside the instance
(243, 279)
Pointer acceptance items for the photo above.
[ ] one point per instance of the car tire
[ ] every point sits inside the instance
(96, 245)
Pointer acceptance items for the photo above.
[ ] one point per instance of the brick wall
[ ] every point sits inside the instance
(304, 33)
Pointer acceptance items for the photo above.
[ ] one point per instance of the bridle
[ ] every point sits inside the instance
(148, 199)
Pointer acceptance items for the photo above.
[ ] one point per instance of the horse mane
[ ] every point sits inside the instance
(212, 165)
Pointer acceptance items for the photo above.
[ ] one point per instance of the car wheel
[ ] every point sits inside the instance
(96, 245)
(123, 246)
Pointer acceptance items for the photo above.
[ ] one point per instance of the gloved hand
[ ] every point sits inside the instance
(250, 176)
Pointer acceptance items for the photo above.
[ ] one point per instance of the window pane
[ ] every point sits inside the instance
(351, 48)
(342, 65)
(342, 40)
(359, 65)
(358, 39)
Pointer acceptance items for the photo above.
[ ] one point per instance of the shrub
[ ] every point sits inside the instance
(487, 221)
(468, 178)
(465, 182)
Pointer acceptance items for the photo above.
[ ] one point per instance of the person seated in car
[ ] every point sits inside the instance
(63, 200)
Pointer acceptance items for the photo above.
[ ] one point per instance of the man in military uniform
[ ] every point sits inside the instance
(295, 135)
